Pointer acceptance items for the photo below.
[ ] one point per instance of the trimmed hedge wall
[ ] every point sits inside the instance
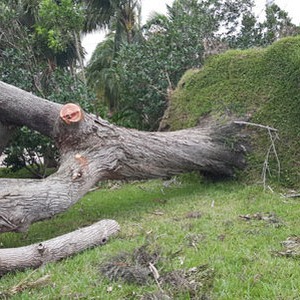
(261, 83)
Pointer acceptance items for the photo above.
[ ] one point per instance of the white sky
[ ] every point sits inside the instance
(90, 41)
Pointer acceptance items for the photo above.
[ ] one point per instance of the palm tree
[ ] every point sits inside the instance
(122, 19)
(98, 13)
(119, 16)
(101, 74)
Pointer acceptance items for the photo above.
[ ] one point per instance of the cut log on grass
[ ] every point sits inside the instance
(57, 248)
(92, 149)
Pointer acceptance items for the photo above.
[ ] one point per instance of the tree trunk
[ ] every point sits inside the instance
(6, 133)
(57, 248)
(91, 149)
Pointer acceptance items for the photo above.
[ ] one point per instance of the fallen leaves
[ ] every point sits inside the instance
(25, 284)
(270, 218)
(291, 247)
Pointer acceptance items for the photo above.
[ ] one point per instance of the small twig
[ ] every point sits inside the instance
(155, 275)
(273, 139)
(26, 284)
(273, 135)
(292, 196)
(95, 188)
(266, 167)
(255, 124)
(169, 81)
(29, 285)
(266, 162)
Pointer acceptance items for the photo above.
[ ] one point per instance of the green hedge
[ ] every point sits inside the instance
(262, 83)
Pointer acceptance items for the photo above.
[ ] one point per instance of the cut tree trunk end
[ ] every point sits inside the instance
(35, 255)
(71, 113)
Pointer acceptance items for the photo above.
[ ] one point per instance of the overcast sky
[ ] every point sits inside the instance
(149, 6)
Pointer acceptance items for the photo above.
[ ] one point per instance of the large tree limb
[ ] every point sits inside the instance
(19, 108)
(92, 149)
(57, 248)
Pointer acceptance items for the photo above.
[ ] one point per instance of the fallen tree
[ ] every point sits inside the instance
(92, 149)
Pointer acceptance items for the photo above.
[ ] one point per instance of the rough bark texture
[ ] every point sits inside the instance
(55, 249)
(19, 108)
(5, 135)
(93, 150)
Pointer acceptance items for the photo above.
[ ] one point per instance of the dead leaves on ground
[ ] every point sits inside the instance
(270, 218)
(291, 247)
(26, 284)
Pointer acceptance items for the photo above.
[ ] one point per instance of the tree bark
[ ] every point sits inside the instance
(57, 248)
(92, 149)
(6, 133)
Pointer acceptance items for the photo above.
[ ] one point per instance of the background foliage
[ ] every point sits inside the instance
(136, 78)
(135, 70)
(30, 60)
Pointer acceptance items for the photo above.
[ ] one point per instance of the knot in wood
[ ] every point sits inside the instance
(104, 241)
(41, 248)
(71, 113)
(76, 175)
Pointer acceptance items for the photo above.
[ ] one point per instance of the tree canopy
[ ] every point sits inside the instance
(146, 71)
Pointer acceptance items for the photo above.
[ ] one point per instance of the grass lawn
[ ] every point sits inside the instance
(209, 240)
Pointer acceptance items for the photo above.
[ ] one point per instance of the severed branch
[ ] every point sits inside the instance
(57, 248)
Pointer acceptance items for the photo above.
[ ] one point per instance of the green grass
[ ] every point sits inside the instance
(240, 252)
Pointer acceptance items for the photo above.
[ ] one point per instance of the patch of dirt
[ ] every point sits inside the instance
(196, 281)
(291, 247)
(194, 215)
(139, 268)
(131, 267)
(194, 239)
(156, 296)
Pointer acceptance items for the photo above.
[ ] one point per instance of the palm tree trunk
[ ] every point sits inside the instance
(79, 55)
